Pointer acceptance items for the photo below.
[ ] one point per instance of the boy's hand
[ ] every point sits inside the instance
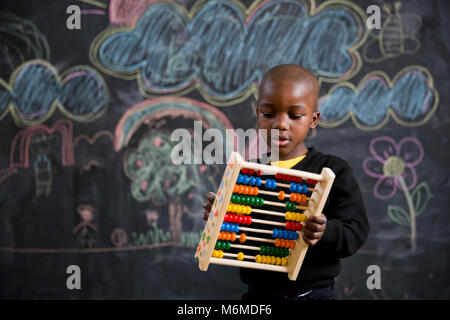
(314, 229)
(207, 204)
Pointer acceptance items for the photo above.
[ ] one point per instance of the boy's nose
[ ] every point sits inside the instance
(281, 122)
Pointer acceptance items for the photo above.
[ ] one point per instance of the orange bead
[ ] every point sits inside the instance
(293, 197)
(292, 244)
(242, 237)
(277, 242)
(303, 198)
(255, 191)
(241, 189)
(281, 195)
(236, 188)
(246, 189)
(233, 236)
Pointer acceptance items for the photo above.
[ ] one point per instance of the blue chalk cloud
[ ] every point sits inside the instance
(223, 51)
(36, 90)
(410, 98)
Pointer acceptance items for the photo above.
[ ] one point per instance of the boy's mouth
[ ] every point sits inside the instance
(282, 140)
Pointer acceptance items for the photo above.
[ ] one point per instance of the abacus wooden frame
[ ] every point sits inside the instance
(216, 216)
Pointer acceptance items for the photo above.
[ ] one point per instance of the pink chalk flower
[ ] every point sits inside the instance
(393, 165)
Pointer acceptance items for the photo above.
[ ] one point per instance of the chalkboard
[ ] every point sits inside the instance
(88, 105)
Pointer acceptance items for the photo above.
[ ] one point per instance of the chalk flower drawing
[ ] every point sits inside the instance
(393, 164)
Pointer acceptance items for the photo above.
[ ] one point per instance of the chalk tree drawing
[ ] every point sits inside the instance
(36, 90)
(410, 99)
(154, 177)
(397, 35)
(393, 164)
(222, 49)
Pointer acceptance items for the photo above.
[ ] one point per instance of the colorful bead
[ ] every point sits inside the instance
(242, 237)
(240, 256)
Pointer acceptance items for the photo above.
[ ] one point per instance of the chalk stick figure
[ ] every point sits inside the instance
(85, 230)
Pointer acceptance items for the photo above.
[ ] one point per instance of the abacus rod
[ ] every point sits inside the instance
(279, 204)
(248, 264)
(260, 239)
(256, 230)
(234, 255)
(273, 213)
(284, 185)
(275, 194)
(242, 246)
(273, 223)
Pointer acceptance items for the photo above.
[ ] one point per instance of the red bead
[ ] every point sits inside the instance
(239, 218)
(227, 217)
(259, 173)
(251, 172)
(249, 220)
(244, 171)
(298, 226)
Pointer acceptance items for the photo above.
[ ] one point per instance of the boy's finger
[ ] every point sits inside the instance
(211, 196)
(309, 234)
(320, 219)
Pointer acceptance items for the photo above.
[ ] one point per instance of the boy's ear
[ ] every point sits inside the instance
(315, 119)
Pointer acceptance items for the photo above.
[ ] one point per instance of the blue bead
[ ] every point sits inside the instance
(236, 228)
(258, 181)
(274, 184)
(305, 189)
(292, 188)
(275, 233)
(239, 179)
(295, 236)
(252, 181)
(245, 180)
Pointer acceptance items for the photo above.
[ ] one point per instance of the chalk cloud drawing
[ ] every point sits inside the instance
(393, 164)
(36, 90)
(222, 49)
(410, 99)
(397, 36)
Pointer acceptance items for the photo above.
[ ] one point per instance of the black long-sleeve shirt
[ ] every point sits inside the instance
(346, 231)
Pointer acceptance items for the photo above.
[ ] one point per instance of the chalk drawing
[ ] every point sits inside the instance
(20, 146)
(36, 90)
(20, 40)
(393, 164)
(410, 99)
(397, 35)
(160, 108)
(222, 49)
(85, 230)
(42, 175)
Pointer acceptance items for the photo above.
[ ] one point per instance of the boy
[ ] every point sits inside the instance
(287, 101)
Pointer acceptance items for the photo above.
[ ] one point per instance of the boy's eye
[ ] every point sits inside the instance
(295, 116)
(267, 114)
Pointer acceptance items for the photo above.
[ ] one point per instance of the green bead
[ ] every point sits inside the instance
(261, 202)
(248, 200)
(228, 246)
(218, 245)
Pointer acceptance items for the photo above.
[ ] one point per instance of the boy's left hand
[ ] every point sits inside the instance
(314, 229)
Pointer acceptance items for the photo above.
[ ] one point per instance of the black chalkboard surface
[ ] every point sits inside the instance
(91, 92)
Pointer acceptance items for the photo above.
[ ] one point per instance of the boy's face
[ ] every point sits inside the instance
(288, 106)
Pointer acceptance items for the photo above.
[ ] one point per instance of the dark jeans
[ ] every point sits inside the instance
(326, 293)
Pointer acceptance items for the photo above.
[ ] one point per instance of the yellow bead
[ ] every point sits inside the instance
(220, 254)
(288, 215)
(233, 208)
(302, 217)
(273, 260)
(230, 208)
(258, 258)
(214, 253)
(240, 256)
(283, 261)
(278, 262)
(249, 209)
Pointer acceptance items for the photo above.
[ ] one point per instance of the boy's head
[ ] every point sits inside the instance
(287, 101)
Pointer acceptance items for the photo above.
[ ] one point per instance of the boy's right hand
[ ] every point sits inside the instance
(207, 204)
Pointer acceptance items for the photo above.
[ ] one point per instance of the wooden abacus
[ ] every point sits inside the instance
(282, 249)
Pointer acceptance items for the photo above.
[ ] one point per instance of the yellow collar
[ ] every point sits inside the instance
(288, 163)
